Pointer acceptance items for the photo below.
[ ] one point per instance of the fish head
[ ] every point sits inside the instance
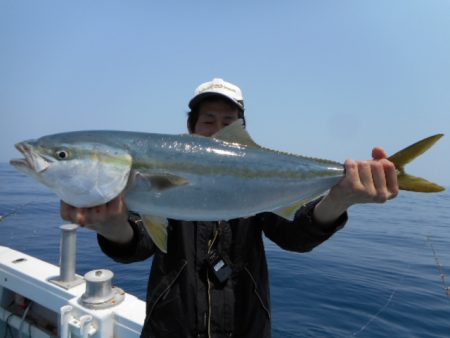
(81, 173)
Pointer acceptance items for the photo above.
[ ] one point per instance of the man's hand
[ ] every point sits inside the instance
(373, 181)
(110, 220)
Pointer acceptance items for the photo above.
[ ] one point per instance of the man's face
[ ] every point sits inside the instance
(213, 116)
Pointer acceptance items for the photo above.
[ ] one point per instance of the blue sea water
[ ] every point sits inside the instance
(384, 275)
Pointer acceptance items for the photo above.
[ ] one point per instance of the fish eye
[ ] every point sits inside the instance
(62, 154)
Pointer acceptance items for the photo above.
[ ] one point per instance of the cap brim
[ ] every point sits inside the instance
(196, 99)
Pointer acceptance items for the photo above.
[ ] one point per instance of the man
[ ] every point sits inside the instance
(215, 282)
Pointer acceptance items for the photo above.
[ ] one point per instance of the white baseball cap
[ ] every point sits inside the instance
(218, 87)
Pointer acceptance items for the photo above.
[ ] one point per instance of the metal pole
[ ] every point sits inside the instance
(68, 251)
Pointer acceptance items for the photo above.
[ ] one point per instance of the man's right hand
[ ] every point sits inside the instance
(109, 220)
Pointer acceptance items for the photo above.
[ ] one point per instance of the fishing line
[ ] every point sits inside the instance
(382, 308)
(14, 211)
(391, 297)
(376, 315)
(440, 269)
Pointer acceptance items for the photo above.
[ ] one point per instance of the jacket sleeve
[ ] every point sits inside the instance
(303, 233)
(140, 248)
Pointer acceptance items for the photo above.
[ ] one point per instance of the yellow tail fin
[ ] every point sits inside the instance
(403, 157)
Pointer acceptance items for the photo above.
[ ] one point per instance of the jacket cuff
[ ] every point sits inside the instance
(317, 228)
(112, 249)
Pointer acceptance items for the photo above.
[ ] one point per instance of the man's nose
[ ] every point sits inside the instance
(217, 126)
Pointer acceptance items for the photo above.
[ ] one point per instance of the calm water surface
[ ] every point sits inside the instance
(378, 277)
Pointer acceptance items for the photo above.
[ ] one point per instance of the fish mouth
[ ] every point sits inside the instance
(32, 160)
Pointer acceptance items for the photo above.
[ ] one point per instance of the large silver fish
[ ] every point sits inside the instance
(187, 177)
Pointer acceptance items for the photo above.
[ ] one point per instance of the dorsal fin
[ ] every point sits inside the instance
(235, 133)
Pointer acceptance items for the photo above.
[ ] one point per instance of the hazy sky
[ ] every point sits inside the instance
(328, 79)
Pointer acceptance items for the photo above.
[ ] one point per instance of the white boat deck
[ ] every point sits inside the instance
(32, 305)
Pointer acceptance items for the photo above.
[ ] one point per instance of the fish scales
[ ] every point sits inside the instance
(206, 157)
(240, 181)
(187, 177)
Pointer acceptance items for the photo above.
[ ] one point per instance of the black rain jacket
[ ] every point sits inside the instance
(184, 299)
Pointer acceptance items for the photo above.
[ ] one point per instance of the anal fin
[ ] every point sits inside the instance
(290, 211)
(157, 230)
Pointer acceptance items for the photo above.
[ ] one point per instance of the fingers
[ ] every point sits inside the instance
(365, 174)
(380, 191)
(391, 178)
(372, 184)
(117, 205)
(388, 176)
(64, 211)
(73, 214)
(69, 212)
(369, 181)
(91, 217)
(378, 153)
(384, 181)
(351, 174)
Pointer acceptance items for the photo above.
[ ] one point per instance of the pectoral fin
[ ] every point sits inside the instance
(157, 230)
(160, 181)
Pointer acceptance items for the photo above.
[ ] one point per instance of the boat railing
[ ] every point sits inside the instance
(39, 299)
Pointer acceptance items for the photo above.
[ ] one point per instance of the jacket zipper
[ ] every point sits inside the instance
(209, 306)
(210, 245)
